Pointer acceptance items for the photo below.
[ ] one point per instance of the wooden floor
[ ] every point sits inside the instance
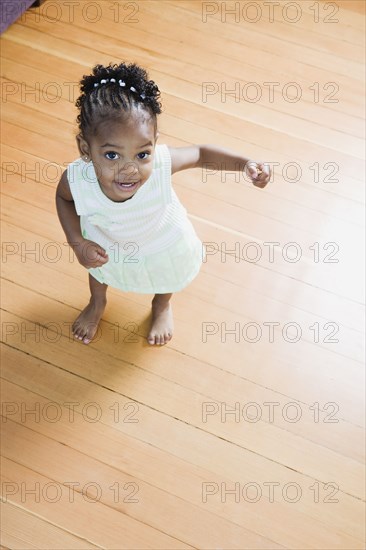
(246, 430)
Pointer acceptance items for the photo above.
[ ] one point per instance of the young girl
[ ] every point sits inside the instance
(116, 204)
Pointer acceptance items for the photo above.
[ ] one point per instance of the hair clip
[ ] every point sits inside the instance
(132, 89)
(96, 84)
(142, 96)
(104, 81)
(121, 83)
(112, 80)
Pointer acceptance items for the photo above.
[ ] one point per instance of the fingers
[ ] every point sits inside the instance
(101, 251)
(264, 176)
(260, 174)
(266, 170)
(96, 263)
(102, 255)
(252, 169)
(101, 259)
(93, 255)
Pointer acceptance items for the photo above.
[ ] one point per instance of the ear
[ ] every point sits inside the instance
(83, 147)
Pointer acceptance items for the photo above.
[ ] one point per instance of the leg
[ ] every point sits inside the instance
(85, 326)
(161, 330)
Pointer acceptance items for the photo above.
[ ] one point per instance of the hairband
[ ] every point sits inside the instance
(120, 82)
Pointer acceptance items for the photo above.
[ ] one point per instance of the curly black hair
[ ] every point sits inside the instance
(114, 90)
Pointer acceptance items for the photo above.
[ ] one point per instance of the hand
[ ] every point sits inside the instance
(90, 254)
(259, 173)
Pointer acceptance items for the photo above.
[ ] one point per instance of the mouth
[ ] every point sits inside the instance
(127, 185)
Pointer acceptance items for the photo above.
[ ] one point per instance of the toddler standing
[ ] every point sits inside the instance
(116, 203)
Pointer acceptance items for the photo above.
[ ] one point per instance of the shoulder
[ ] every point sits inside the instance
(162, 160)
(63, 188)
(71, 179)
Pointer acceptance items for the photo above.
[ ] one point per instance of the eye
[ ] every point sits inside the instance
(111, 155)
(144, 156)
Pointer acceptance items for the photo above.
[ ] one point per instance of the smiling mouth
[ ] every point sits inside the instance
(126, 185)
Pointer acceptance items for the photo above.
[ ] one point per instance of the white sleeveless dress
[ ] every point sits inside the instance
(151, 243)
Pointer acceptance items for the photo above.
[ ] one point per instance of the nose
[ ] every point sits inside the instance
(129, 170)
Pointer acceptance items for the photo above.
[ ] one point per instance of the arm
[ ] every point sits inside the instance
(213, 157)
(88, 253)
(66, 211)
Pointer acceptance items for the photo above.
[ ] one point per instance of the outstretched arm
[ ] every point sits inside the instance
(218, 158)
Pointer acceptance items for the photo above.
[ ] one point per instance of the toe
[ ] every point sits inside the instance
(77, 332)
(89, 334)
(87, 338)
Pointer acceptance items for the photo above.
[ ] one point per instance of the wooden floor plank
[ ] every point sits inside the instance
(21, 528)
(97, 522)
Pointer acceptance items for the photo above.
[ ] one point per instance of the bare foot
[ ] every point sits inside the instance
(161, 330)
(85, 326)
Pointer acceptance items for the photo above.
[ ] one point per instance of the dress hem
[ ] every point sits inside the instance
(153, 291)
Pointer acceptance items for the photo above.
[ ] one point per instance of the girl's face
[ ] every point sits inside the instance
(122, 153)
